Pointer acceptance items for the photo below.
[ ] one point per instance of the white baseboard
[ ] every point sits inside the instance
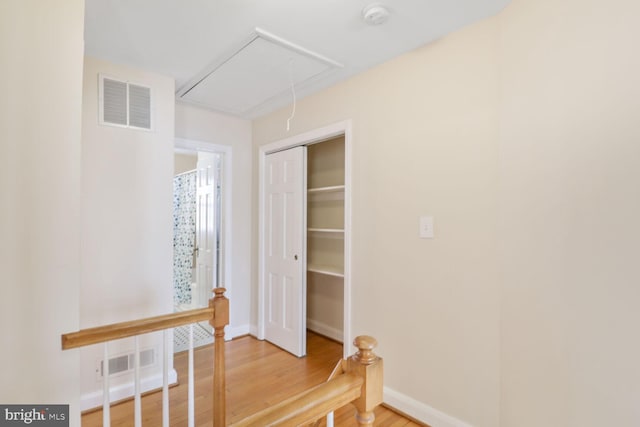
(236, 331)
(324, 329)
(318, 327)
(119, 392)
(420, 411)
(253, 330)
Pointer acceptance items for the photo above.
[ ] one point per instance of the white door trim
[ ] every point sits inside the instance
(316, 135)
(193, 145)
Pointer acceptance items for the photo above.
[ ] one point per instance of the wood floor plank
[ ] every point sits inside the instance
(259, 374)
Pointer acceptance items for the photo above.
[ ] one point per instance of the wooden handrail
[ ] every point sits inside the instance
(357, 380)
(217, 314)
(220, 305)
(308, 406)
(367, 365)
(116, 331)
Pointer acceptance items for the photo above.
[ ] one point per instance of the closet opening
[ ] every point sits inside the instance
(325, 238)
(305, 239)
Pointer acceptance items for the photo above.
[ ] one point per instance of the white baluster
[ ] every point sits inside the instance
(106, 415)
(191, 409)
(165, 378)
(137, 400)
(330, 419)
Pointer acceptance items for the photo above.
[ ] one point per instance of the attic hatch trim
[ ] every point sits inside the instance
(258, 33)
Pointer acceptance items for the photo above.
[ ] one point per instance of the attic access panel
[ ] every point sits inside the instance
(262, 69)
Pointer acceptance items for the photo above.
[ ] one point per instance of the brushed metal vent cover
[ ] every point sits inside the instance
(261, 69)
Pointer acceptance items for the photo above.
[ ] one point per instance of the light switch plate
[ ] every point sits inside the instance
(426, 227)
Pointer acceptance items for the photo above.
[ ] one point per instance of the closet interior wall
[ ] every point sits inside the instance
(325, 237)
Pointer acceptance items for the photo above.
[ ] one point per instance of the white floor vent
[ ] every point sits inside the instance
(201, 336)
(126, 362)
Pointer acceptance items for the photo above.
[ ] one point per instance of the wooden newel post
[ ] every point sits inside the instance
(367, 365)
(220, 305)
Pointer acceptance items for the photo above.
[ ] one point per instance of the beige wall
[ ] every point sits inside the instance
(127, 234)
(41, 50)
(424, 142)
(527, 120)
(520, 136)
(184, 162)
(569, 177)
(205, 126)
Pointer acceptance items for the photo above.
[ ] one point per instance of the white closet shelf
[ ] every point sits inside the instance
(326, 194)
(328, 270)
(328, 231)
(330, 189)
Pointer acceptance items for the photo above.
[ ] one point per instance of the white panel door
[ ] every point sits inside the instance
(285, 293)
(205, 229)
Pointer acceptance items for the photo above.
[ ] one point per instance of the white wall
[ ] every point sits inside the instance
(424, 142)
(41, 49)
(570, 174)
(208, 127)
(127, 234)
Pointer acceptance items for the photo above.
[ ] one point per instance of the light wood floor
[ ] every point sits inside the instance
(258, 375)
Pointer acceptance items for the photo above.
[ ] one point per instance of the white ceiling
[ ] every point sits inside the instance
(188, 39)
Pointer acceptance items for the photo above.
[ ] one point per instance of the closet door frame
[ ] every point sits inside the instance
(308, 138)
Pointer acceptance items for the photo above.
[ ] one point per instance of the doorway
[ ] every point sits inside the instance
(316, 238)
(199, 238)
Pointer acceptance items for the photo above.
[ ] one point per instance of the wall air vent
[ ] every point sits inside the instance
(126, 362)
(124, 104)
(261, 69)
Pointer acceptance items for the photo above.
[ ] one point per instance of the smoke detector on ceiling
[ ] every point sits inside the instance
(375, 14)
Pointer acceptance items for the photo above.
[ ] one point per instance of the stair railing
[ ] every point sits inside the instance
(356, 380)
(217, 314)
